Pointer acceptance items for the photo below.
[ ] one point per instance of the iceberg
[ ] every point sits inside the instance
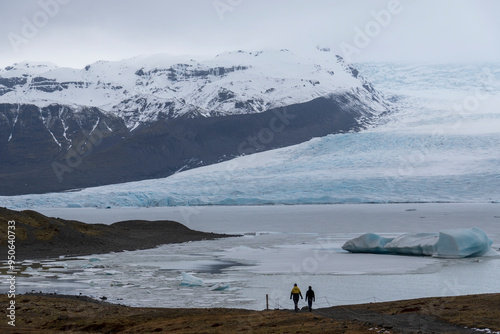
(222, 286)
(463, 243)
(190, 280)
(368, 243)
(454, 243)
(414, 244)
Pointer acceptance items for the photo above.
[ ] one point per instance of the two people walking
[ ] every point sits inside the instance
(295, 294)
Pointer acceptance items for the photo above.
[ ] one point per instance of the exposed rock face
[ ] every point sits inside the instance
(62, 129)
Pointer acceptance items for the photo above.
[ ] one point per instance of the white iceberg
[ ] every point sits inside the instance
(455, 243)
(414, 244)
(367, 243)
(222, 286)
(190, 280)
(463, 243)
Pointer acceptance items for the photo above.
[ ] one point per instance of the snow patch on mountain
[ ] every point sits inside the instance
(145, 89)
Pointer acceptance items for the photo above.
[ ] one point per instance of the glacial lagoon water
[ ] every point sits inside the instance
(279, 246)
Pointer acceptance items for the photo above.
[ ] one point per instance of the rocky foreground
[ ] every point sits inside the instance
(71, 314)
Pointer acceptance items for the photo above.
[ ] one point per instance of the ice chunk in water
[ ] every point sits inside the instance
(463, 243)
(414, 244)
(190, 280)
(367, 243)
(456, 243)
(219, 286)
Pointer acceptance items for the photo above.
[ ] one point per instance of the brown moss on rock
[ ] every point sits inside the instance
(38, 236)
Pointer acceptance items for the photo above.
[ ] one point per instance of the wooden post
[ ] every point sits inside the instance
(267, 302)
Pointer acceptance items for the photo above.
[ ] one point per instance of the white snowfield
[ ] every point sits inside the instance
(142, 89)
(454, 243)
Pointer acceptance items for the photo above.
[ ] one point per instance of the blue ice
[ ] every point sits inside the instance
(453, 243)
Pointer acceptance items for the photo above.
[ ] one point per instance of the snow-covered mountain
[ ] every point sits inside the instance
(145, 89)
(441, 146)
(146, 117)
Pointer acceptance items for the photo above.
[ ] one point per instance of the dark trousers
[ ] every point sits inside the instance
(296, 302)
(310, 304)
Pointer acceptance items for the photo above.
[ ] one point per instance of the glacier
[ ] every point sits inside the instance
(441, 146)
(452, 243)
(63, 129)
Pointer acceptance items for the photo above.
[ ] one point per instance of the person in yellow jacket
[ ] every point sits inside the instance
(295, 295)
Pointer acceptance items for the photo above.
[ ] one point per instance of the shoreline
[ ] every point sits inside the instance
(40, 237)
(43, 313)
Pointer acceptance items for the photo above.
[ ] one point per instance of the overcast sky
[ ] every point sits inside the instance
(78, 32)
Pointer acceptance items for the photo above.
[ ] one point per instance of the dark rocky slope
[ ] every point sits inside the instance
(39, 237)
(58, 148)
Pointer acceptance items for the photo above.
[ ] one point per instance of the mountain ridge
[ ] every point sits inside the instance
(63, 128)
(142, 90)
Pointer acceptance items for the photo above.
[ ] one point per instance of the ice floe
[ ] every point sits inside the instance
(190, 280)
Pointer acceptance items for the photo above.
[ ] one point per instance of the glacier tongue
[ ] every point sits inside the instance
(426, 152)
(454, 243)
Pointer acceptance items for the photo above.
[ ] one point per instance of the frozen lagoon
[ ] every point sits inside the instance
(281, 245)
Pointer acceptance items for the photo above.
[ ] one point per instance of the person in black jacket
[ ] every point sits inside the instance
(310, 298)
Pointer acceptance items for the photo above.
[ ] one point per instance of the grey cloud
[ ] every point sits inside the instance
(80, 32)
